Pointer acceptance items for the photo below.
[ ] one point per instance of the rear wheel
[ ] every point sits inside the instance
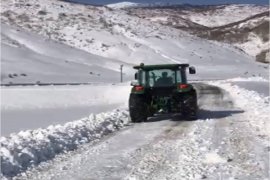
(191, 107)
(137, 108)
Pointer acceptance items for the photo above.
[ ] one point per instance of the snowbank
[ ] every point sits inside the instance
(256, 107)
(29, 148)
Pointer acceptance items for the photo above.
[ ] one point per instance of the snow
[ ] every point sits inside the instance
(158, 19)
(244, 24)
(257, 84)
(257, 110)
(42, 97)
(88, 44)
(224, 14)
(224, 17)
(232, 146)
(256, 79)
(260, 87)
(254, 45)
(45, 61)
(253, 22)
(24, 108)
(213, 158)
(123, 5)
(106, 34)
(27, 148)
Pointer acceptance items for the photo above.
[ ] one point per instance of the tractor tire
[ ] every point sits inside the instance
(137, 108)
(191, 107)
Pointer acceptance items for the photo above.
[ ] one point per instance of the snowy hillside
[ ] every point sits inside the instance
(105, 32)
(30, 58)
(250, 34)
(215, 16)
(206, 16)
(244, 26)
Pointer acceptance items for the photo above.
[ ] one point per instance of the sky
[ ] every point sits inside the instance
(207, 2)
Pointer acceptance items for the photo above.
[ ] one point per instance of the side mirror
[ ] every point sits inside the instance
(192, 70)
(134, 83)
(136, 75)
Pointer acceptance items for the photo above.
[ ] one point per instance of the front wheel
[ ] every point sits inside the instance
(137, 108)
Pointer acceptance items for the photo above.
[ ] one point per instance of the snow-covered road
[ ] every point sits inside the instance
(226, 142)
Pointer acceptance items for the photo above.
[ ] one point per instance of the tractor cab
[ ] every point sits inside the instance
(164, 77)
(162, 88)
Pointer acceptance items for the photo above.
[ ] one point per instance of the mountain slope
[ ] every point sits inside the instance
(127, 39)
(251, 34)
(244, 26)
(220, 15)
(30, 58)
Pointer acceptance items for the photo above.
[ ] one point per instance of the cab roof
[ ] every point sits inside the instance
(160, 66)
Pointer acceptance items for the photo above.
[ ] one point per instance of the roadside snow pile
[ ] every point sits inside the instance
(255, 105)
(29, 148)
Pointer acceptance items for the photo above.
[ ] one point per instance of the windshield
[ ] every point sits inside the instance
(160, 77)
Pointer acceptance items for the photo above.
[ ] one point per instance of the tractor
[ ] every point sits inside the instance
(160, 89)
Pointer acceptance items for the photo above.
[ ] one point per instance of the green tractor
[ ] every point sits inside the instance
(162, 89)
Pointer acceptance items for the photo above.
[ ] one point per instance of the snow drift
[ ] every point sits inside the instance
(29, 148)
